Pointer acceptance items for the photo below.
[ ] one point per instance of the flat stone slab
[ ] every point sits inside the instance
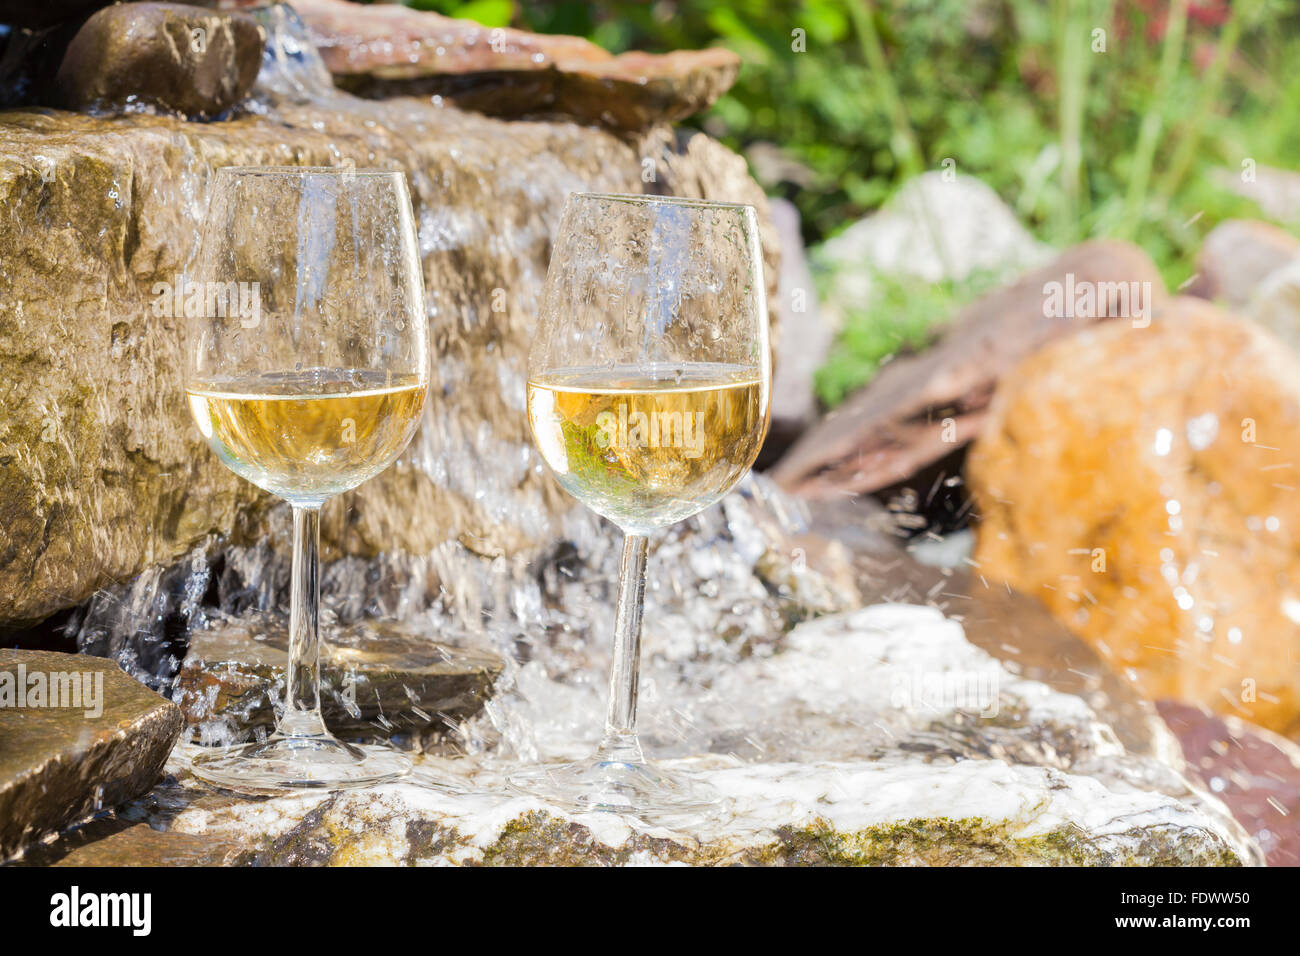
(900, 812)
(921, 749)
(65, 756)
(117, 842)
(378, 679)
(392, 50)
(141, 845)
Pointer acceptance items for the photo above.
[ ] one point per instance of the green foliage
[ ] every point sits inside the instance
(490, 13)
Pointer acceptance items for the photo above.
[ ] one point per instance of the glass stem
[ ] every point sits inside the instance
(302, 717)
(620, 741)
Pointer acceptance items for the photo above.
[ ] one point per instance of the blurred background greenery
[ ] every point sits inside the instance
(1132, 140)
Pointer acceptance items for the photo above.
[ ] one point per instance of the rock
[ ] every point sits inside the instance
(886, 735)
(1254, 772)
(1275, 303)
(635, 90)
(167, 55)
(116, 842)
(1276, 191)
(103, 744)
(397, 42)
(1014, 628)
(1137, 482)
(828, 589)
(103, 477)
(141, 845)
(805, 337)
(39, 14)
(389, 50)
(921, 408)
(924, 750)
(378, 680)
(1237, 256)
(937, 226)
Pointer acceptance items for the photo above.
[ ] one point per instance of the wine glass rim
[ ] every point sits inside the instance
(308, 171)
(645, 199)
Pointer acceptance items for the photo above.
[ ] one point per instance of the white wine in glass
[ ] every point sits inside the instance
(307, 436)
(314, 384)
(647, 446)
(648, 393)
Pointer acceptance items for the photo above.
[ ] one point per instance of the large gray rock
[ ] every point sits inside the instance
(974, 730)
(939, 225)
(93, 739)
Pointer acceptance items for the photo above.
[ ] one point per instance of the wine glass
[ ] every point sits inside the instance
(648, 387)
(307, 372)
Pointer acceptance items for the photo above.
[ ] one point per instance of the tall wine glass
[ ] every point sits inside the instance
(308, 367)
(648, 386)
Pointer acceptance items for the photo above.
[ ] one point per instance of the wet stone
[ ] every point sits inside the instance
(851, 761)
(389, 50)
(171, 56)
(116, 842)
(379, 680)
(61, 764)
(115, 203)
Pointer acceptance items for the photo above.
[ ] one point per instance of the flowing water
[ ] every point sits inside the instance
(519, 567)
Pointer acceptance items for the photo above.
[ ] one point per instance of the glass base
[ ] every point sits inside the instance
(611, 785)
(282, 762)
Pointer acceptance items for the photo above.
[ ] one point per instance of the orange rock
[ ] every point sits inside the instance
(1143, 484)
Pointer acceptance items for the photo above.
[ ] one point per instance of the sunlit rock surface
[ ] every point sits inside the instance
(977, 729)
(880, 736)
(1141, 483)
